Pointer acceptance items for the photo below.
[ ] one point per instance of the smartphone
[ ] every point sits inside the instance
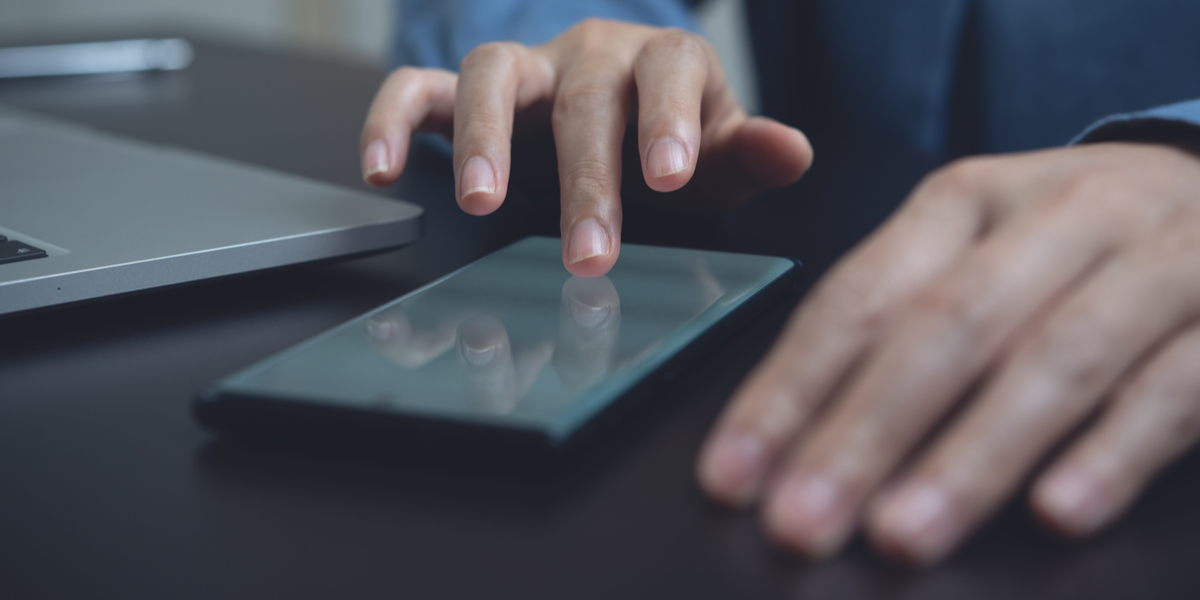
(509, 358)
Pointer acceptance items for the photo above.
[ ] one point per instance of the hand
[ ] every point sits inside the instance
(692, 136)
(1031, 291)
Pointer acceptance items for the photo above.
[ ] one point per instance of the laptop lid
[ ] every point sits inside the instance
(113, 215)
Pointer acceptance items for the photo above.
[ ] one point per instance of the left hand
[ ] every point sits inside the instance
(1035, 288)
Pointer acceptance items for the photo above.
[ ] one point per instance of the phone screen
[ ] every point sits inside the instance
(514, 340)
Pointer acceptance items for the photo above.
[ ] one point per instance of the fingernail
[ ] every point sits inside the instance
(666, 157)
(588, 316)
(478, 356)
(588, 239)
(919, 521)
(806, 515)
(477, 177)
(735, 464)
(1073, 499)
(375, 159)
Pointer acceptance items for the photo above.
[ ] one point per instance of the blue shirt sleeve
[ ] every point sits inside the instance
(1170, 122)
(439, 33)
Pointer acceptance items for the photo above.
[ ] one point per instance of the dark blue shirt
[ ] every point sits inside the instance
(941, 77)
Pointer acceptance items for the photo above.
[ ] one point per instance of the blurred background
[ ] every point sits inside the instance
(353, 30)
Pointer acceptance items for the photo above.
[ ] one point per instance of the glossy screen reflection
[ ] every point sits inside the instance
(516, 340)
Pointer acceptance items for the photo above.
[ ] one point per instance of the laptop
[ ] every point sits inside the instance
(86, 214)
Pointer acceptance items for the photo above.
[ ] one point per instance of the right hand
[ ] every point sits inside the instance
(693, 136)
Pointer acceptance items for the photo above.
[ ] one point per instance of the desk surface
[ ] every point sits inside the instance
(109, 489)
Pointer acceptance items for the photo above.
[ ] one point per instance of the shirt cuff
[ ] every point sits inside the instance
(1172, 124)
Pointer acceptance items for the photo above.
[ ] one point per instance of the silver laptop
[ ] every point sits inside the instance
(86, 214)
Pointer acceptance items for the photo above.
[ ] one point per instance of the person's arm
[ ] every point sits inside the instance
(440, 33)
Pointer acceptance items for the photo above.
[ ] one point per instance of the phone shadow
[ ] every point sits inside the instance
(424, 481)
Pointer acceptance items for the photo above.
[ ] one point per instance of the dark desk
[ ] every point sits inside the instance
(108, 488)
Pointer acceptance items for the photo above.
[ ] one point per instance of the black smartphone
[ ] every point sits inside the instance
(508, 358)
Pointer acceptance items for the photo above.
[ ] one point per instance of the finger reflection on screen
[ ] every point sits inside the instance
(495, 379)
(393, 334)
(588, 324)
(584, 344)
(515, 341)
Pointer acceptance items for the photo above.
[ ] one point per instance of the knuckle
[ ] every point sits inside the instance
(583, 98)
(927, 208)
(1082, 191)
(589, 179)
(952, 303)
(406, 75)
(403, 83)
(674, 41)
(1075, 351)
(1095, 198)
(491, 56)
(591, 32)
(962, 177)
(856, 297)
(479, 126)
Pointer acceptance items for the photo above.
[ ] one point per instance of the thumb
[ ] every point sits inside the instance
(768, 154)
